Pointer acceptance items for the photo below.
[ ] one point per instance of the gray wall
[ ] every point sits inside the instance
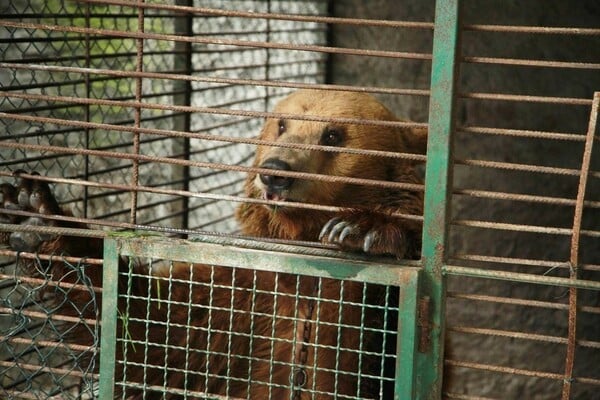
(579, 83)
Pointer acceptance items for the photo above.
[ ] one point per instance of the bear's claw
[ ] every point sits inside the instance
(328, 226)
(372, 233)
(370, 238)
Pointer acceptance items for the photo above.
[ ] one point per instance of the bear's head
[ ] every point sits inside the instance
(293, 148)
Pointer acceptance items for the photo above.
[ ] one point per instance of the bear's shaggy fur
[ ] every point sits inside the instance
(203, 335)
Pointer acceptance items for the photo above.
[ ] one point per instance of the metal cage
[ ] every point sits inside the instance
(142, 116)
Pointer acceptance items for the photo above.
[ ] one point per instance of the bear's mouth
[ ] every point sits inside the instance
(273, 196)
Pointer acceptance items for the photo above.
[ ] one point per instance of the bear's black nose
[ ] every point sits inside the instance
(276, 183)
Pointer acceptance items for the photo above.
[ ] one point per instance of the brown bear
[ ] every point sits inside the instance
(246, 334)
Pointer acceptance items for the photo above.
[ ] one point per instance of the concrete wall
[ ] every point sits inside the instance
(565, 82)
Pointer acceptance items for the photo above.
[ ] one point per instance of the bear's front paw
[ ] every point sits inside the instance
(369, 232)
(29, 195)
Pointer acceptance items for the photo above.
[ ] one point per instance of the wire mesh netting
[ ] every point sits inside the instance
(49, 336)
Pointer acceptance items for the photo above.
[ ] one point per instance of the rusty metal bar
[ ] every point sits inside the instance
(530, 63)
(545, 30)
(182, 61)
(210, 110)
(522, 228)
(87, 110)
(215, 80)
(527, 99)
(524, 167)
(46, 282)
(201, 164)
(210, 137)
(588, 381)
(521, 335)
(519, 302)
(74, 58)
(520, 277)
(574, 258)
(522, 133)
(505, 370)
(260, 32)
(518, 371)
(220, 42)
(306, 60)
(48, 229)
(522, 197)
(47, 343)
(33, 61)
(60, 258)
(137, 112)
(204, 11)
(522, 261)
(46, 316)
(38, 368)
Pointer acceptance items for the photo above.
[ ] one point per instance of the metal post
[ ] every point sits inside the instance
(108, 337)
(438, 182)
(407, 339)
(183, 123)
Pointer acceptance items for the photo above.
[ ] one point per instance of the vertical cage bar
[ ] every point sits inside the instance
(87, 111)
(438, 181)
(407, 339)
(267, 56)
(574, 257)
(183, 123)
(139, 67)
(108, 335)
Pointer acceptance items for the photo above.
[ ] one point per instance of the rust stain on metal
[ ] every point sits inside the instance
(424, 323)
(574, 259)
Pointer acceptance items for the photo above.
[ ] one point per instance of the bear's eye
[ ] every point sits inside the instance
(332, 136)
(281, 127)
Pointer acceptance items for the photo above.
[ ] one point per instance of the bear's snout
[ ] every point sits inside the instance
(276, 183)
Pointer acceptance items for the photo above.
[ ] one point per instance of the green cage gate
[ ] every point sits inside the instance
(249, 299)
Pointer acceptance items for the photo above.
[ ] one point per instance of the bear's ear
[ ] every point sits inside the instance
(416, 140)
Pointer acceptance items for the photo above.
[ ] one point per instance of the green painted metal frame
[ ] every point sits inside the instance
(108, 333)
(438, 183)
(233, 255)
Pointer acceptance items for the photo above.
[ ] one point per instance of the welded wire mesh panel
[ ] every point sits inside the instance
(240, 332)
